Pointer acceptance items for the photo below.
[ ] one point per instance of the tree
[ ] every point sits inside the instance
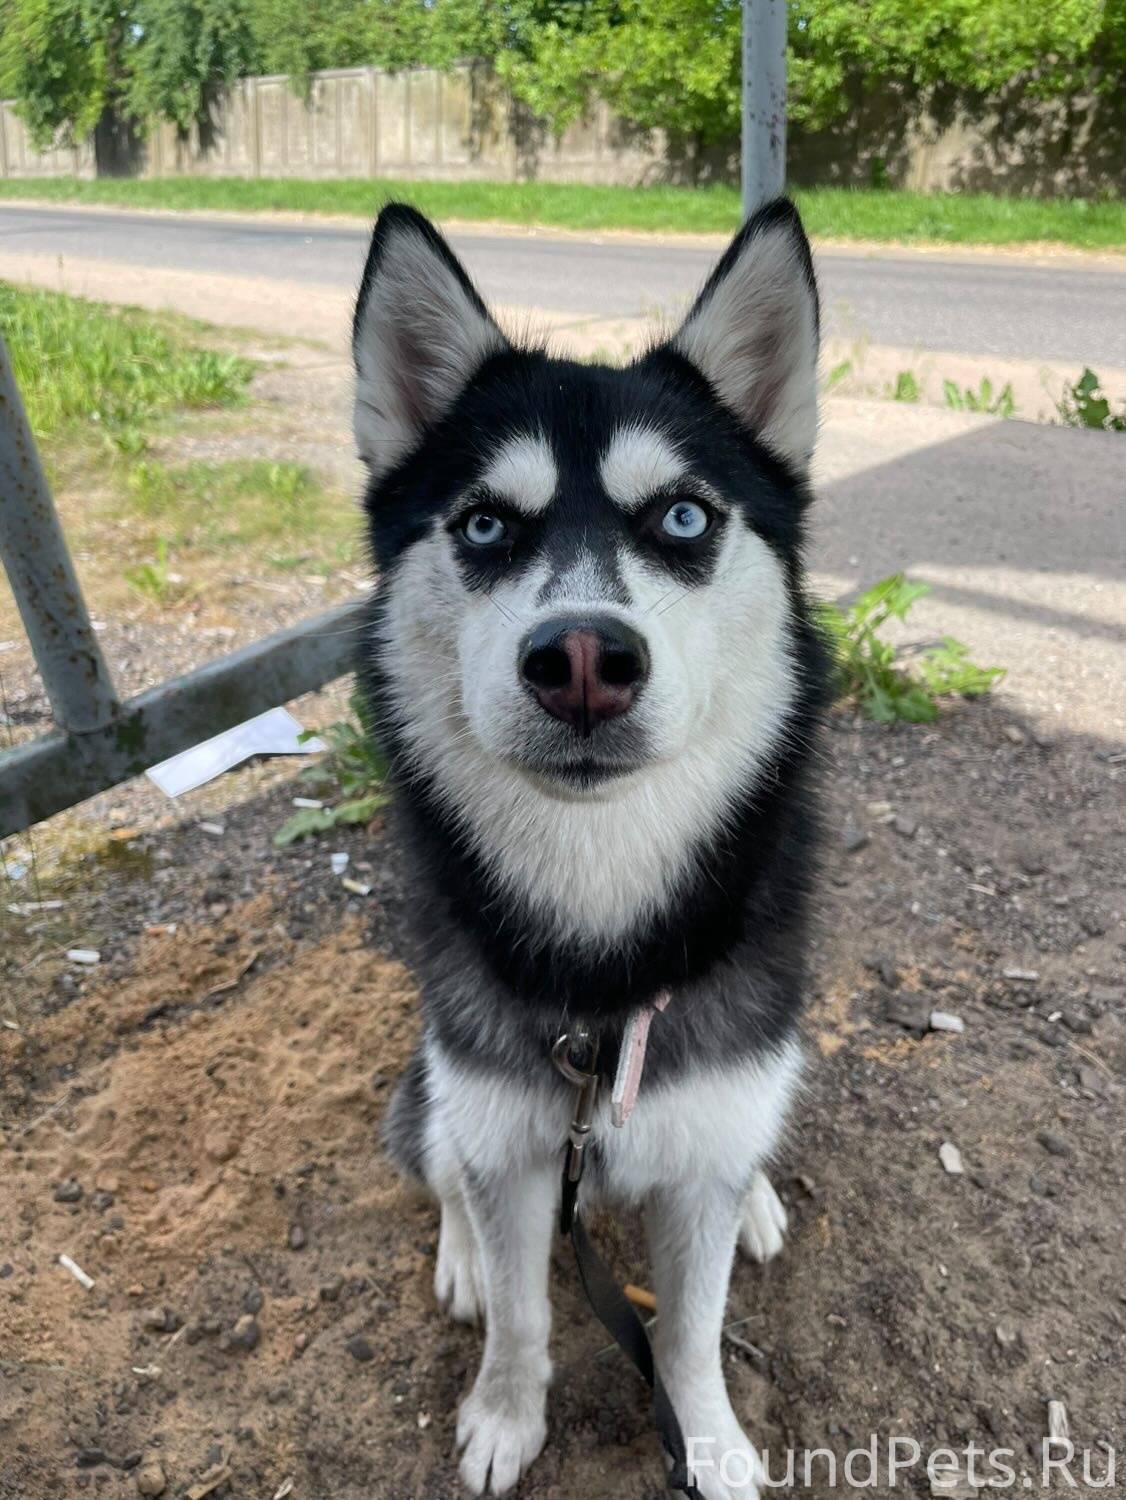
(65, 62)
(185, 50)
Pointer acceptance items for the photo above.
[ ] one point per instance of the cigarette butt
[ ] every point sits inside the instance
(640, 1297)
(76, 1271)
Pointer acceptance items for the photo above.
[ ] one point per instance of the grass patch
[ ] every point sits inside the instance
(837, 213)
(248, 507)
(81, 362)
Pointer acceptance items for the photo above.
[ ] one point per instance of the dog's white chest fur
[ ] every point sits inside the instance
(711, 1122)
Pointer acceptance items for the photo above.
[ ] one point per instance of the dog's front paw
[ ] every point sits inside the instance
(501, 1427)
(762, 1232)
(725, 1467)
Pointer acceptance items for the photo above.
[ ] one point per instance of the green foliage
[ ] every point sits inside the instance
(870, 671)
(671, 64)
(84, 362)
(841, 50)
(1084, 404)
(298, 39)
(906, 387)
(964, 398)
(355, 763)
(837, 374)
(185, 50)
(62, 61)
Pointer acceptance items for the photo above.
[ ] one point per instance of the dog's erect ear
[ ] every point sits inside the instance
(419, 334)
(754, 332)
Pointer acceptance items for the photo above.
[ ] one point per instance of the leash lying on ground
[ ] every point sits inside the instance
(575, 1054)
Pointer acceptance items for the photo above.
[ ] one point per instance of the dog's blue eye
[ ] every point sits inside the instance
(484, 530)
(686, 520)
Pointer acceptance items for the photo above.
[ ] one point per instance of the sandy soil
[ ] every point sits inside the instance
(195, 1123)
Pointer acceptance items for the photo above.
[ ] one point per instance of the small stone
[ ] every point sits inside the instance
(102, 1200)
(90, 1458)
(359, 1348)
(253, 1300)
(951, 1159)
(161, 1319)
(131, 1460)
(69, 1191)
(6, 1270)
(1015, 735)
(150, 1478)
(1076, 1023)
(220, 1144)
(910, 1010)
(942, 1020)
(906, 827)
(1006, 1336)
(296, 1237)
(1053, 1144)
(246, 1333)
(330, 1290)
(855, 839)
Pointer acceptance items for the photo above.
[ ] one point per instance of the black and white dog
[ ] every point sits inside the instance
(593, 666)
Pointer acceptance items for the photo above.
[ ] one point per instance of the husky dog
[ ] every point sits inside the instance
(593, 666)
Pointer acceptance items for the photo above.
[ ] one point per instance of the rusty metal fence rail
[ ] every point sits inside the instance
(99, 740)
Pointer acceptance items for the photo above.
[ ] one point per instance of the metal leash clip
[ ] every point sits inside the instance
(578, 1043)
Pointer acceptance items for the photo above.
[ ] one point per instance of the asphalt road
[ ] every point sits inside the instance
(973, 306)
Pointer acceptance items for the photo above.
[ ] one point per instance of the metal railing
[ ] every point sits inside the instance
(99, 740)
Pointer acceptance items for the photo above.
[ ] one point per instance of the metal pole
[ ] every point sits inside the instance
(42, 576)
(764, 102)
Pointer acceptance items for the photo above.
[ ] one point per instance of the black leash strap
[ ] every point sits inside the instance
(618, 1316)
(608, 1302)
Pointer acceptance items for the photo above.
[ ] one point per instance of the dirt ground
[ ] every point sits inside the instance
(194, 1122)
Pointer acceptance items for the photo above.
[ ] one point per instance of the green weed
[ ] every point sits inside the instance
(906, 387)
(982, 400)
(1084, 404)
(355, 764)
(870, 671)
(155, 579)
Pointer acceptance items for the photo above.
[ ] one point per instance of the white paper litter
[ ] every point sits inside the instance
(314, 803)
(339, 863)
(27, 908)
(273, 733)
(84, 955)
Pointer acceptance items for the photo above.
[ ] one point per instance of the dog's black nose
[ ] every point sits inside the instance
(585, 671)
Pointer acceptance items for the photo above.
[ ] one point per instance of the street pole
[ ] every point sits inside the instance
(764, 102)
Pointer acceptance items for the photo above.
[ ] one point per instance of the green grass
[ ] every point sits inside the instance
(832, 213)
(81, 362)
(240, 507)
